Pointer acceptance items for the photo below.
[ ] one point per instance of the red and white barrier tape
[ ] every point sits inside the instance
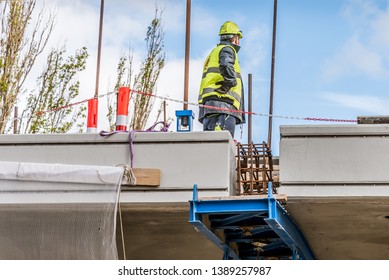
(245, 112)
(204, 106)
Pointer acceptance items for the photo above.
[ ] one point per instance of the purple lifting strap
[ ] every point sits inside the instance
(164, 128)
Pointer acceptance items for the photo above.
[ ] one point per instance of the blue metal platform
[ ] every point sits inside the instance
(249, 227)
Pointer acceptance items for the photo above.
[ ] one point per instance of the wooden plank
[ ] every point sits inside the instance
(372, 119)
(147, 177)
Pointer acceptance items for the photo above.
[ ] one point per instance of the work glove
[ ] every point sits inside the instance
(223, 89)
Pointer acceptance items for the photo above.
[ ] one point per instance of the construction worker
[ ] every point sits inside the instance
(221, 86)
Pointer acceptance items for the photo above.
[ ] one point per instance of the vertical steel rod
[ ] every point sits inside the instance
(187, 51)
(164, 113)
(99, 50)
(273, 56)
(250, 101)
(239, 190)
(250, 153)
(16, 120)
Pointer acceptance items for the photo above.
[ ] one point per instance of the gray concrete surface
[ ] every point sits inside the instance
(185, 159)
(344, 228)
(337, 184)
(162, 232)
(155, 220)
(335, 179)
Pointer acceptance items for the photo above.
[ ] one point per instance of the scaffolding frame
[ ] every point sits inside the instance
(249, 227)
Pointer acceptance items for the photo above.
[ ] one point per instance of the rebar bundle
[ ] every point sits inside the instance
(255, 169)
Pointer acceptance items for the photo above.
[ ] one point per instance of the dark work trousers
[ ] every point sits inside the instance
(215, 122)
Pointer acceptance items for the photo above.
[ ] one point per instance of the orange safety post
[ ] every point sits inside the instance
(122, 108)
(93, 105)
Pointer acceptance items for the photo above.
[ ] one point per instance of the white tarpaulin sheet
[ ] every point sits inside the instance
(57, 211)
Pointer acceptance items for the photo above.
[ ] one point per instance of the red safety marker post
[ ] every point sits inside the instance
(93, 105)
(122, 108)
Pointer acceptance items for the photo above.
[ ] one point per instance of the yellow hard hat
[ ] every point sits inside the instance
(230, 28)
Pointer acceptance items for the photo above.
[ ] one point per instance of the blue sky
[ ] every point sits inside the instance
(331, 56)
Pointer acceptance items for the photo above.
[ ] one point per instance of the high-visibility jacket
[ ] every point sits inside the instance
(212, 79)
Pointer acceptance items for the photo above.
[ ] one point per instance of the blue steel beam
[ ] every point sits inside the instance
(227, 206)
(282, 224)
(277, 218)
(196, 220)
(231, 206)
(235, 218)
(261, 230)
(228, 252)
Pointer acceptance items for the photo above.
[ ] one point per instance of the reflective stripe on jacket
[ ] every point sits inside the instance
(212, 79)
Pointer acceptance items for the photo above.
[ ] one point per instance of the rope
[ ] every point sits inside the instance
(39, 113)
(242, 112)
(122, 232)
(120, 215)
(128, 170)
(70, 104)
(197, 105)
(165, 128)
(128, 174)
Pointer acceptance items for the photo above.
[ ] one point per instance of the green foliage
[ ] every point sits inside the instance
(18, 50)
(124, 74)
(58, 87)
(145, 80)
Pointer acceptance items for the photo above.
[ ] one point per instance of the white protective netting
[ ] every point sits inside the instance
(56, 211)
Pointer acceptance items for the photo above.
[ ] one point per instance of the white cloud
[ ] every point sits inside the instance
(364, 103)
(76, 24)
(171, 85)
(379, 26)
(359, 12)
(204, 22)
(365, 52)
(255, 53)
(352, 60)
